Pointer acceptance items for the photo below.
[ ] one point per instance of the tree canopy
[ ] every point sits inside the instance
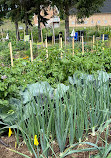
(24, 10)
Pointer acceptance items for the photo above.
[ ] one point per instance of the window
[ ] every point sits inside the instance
(92, 22)
(85, 22)
(72, 22)
(105, 21)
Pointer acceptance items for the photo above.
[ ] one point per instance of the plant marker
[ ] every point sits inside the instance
(15, 145)
(10, 132)
(36, 141)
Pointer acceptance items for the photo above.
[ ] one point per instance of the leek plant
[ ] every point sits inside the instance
(68, 112)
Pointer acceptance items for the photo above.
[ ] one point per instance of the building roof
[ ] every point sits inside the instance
(106, 8)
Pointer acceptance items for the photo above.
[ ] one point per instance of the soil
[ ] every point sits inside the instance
(6, 144)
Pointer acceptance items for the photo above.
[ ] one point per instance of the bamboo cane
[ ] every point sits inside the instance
(11, 56)
(31, 53)
(46, 48)
(82, 44)
(73, 45)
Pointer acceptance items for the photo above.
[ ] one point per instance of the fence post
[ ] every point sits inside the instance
(82, 44)
(65, 37)
(31, 54)
(73, 45)
(11, 56)
(46, 48)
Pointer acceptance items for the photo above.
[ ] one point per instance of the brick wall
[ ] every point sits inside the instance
(96, 19)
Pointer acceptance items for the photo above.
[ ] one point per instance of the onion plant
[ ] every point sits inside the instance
(70, 113)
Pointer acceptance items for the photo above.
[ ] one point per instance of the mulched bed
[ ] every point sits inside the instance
(7, 143)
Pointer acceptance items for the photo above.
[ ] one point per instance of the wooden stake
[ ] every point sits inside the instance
(103, 37)
(65, 37)
(82, 44)
(11, 56)
(103, 41)
(53, 35)
(61, 47)
(46, 48)
(52, 40)
(31, 53)
(93, 41)
(2, 34)
(73, 45)
(41, 36)
(31, 36)
(24, 35)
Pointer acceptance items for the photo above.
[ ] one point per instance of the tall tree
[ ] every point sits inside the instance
(3, 10)
(26, 12)
(15, 14)
(41, 5)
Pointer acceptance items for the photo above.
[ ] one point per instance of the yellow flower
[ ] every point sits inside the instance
(36, 141)
(10, 132)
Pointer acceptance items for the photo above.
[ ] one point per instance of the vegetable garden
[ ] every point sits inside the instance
(61, 101)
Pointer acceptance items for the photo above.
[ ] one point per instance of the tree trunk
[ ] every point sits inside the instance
(67, 21)
(39, 30)
(26, 24)
(17, 31)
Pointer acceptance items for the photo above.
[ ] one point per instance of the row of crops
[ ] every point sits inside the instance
(57, 101)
